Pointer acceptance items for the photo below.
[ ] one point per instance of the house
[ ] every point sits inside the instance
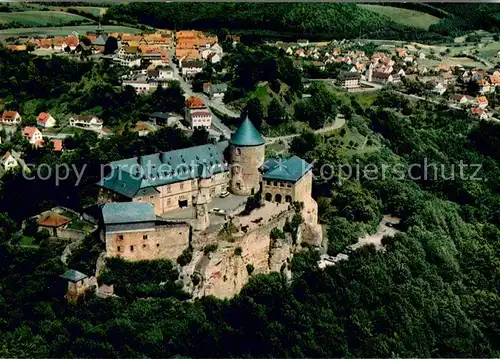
(319, 65)
(479, 112)
(45, 120)
(213, 58)
(348, 79)
(78, 284)
(440, 88)
(92, 122)
(162, 118)
(58, 144)
(197, 113)
(8, 161)
(10, 118)
(71, 42)
(52, 221)
(191, 67)
(214, 91)
(381, 77)
(482, 102)
(33, 135)
(462, 99)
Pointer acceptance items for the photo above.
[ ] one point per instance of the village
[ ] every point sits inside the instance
(162, 214)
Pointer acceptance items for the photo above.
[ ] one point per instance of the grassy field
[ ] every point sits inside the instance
(64, 30)
(96, 11)
(401, 16)
(40, 18)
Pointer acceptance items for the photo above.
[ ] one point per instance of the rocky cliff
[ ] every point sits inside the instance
(223, 271)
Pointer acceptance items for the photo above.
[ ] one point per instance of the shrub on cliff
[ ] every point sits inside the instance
(185, 257)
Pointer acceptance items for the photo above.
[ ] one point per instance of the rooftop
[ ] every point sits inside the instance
(128, 212)
(132, 174)
(247, 135)
(291, 169)
(53, 219)
(73, 275)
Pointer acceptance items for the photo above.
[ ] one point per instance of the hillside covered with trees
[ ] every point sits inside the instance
(309, 20)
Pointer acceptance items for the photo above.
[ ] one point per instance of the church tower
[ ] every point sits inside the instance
(246, 153)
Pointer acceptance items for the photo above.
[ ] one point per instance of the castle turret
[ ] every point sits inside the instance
(246, 154)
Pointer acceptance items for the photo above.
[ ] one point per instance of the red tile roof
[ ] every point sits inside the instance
(58, 144)
(29, 131)
(195, 102)
(9, 115)
(71, 41)
(43, 117)
(53, 219)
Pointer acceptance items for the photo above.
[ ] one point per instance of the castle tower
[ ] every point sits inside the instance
(200, 204)
(246, 153)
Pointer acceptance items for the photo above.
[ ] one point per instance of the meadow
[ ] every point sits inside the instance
(35, 18)
(402, 16)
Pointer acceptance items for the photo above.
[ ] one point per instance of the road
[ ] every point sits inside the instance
(188, 92)
(339, 122)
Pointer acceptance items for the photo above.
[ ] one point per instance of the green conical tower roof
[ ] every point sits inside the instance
(247, 135)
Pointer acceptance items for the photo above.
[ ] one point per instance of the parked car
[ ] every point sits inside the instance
(224, 194)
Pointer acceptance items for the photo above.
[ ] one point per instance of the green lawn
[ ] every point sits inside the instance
(351, 142)
(64, 30)
(27, 241)
(40, 18)
(401, 16)
(96, 11)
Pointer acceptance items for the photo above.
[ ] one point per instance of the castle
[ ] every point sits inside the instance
(174, 180)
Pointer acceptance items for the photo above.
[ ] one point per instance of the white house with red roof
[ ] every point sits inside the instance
(482, 102)
(71, 42)
(8, 161)
(479, 112)
(33, 135)
(45, 120)
(197, 113)
(10, 118)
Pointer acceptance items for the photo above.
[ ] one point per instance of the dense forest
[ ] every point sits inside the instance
(432, 291)
(310, 20)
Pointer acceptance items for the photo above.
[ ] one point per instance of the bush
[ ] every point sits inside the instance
(250, 268)
(186, 256)
(210, 248)
(238, 251)
(276, 233)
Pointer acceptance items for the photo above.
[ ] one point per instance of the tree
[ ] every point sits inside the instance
(200, 136)
(275, 113)
(255, 112)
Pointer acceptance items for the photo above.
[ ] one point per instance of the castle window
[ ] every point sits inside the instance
(282, 184)
(169, 201)
(268, 183)
(143, 246)
(151, 197)
(182, 185)
(169, 189)
(118, 248)
(212, 192)
(158, 245)
(238, 151)
(131, 248)
(120, 236)
(145, 236)
(193, 183)
(275, 184)
(289, 185)
(212, 179)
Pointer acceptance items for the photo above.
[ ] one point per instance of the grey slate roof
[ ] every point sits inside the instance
(291, 169)
(73, 275)
(128, 212)
(100, 40)
(133, 174)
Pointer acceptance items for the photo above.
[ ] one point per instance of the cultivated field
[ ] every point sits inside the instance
(96, 11)
(40, 18)
(401, 16)
(64, 30)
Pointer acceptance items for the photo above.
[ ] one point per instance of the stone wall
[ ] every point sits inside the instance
(166, 241)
